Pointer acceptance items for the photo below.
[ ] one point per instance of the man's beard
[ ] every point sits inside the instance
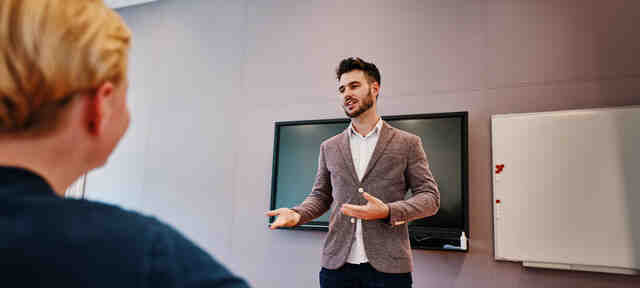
(367, 103)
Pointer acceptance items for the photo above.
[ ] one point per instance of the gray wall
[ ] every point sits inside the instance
(177, 160)
(209, 78)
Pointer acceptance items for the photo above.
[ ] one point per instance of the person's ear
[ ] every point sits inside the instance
(375, 88)
(98, 110)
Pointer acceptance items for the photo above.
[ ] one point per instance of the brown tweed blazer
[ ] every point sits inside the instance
(398, 163)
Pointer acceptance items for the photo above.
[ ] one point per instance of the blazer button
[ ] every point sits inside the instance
(360, 189)
(353, 220)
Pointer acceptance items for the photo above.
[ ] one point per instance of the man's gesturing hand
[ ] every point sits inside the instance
(286, 218)
(374, 209)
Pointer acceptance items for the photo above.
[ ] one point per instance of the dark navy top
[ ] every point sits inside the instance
(49, 241)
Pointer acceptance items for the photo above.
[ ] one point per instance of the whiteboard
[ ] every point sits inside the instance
(569, 190)
(116, 4)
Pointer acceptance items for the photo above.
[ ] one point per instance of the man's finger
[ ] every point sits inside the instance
(346, 210)
(274, 227)
(277, 224)
(368, 197)
(354, 211)
(350, 213)
(277, 212)
(355, 208)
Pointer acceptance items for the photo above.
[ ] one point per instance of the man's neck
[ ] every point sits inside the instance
(364, 123)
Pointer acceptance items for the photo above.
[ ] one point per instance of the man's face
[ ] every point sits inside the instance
(356, 93)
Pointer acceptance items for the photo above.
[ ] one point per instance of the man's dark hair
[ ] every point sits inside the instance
(349, 64)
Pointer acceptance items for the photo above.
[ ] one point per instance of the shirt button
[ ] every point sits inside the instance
(360, 189)
(353, 220)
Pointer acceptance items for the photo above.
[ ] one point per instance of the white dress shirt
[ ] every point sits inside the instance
(361, 150)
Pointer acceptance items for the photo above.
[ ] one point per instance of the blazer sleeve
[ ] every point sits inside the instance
(426, 197)
(319, 200)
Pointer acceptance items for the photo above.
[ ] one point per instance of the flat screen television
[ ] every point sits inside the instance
(445, 140)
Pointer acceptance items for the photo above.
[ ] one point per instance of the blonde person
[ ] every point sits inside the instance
(63, 88)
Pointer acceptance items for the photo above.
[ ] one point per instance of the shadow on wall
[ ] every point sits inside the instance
(629, 141)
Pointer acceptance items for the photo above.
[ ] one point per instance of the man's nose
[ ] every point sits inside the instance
(348, 93)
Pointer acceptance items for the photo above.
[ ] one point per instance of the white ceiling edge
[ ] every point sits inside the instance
(116, 4)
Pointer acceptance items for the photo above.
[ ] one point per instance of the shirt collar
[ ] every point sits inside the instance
(373, 131)
(19, 181)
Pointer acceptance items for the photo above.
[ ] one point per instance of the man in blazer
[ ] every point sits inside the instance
(363, 175)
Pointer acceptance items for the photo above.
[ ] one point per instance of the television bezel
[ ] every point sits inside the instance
(324, 225)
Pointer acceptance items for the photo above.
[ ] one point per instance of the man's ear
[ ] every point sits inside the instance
(375, 88)
(98, 111)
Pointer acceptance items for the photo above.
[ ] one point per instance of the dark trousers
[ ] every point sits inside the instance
(362, 276)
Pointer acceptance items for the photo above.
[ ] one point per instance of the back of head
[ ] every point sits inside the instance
(51, 50)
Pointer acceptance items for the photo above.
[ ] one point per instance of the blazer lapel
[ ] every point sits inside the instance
(345, 149)
(386, 133)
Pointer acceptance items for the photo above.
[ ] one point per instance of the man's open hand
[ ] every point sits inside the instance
(374, 209)
(285, 218)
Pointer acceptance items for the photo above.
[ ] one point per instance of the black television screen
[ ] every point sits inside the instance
(444, 137)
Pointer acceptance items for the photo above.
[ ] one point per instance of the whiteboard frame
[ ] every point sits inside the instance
(496, 211)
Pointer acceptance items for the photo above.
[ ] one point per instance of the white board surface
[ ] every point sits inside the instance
(116, 4)
(569, 191)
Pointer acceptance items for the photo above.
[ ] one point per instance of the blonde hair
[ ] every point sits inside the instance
(51, 50)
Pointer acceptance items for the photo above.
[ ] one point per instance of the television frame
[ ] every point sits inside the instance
(324, 225)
